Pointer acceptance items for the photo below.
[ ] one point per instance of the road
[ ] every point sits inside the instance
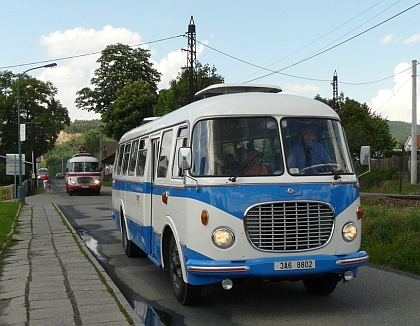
(376, 297)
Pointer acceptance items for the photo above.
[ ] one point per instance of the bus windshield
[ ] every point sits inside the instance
(231, 147)
(83, 167)
(251, 146)
(315, 146)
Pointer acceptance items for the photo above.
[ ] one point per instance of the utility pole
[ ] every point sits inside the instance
(335, 91)
(414, 126)
(191, 61)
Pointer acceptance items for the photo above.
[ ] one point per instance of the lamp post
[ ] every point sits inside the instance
(21, 191)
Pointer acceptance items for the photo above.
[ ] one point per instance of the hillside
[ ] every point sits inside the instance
(400, 130)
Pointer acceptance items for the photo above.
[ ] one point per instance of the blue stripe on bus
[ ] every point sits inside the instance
(235, 199)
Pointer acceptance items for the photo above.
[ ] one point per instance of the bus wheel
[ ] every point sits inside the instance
(321, 285)
(130, 248)
(70, 193)
(186, 294)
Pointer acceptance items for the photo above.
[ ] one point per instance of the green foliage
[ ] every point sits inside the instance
(363, 127)
(371, 181)
(176, 96)
(120, 66)
(43, 115)
(391, 235)
(133, 103)
(400, 130)
(81, 126)
(5, 179)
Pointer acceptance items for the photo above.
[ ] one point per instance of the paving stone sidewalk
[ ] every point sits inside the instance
(49, 277)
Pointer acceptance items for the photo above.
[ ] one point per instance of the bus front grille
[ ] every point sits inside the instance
(84, 180)
(289, 226)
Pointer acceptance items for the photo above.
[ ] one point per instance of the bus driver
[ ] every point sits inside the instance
(308, 153)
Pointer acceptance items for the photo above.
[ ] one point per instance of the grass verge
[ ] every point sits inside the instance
(391, 233)
(7, 223)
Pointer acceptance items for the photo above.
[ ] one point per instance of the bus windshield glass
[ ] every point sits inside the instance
(83, 167)
(315, 146)
(240, 146)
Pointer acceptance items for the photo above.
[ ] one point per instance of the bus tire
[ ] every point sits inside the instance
(321, 285)
(70, 193)
(130, 248)
(185, 293)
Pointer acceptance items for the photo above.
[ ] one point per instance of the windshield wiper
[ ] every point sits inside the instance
(327, 165)
(245, 168)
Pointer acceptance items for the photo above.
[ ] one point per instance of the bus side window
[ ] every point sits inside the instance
(119, 160)
(126, 157)
(165, 153)
(141, 161)
(181, 141)
(133, 158)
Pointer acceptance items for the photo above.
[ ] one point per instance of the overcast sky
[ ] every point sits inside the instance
(370, 44)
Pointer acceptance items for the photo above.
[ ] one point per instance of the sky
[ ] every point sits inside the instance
(297, 45)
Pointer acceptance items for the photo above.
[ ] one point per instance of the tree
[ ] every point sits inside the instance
(176, 96)
(43, 115)
(363, 127)
(120, 65)
(133, 103)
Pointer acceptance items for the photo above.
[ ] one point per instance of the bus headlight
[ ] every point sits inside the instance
(73, 182)
(97, 181)
(223, 238)
(349, 232)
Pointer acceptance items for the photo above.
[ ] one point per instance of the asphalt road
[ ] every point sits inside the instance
(376, 297)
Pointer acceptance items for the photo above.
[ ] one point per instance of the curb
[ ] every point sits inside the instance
(116, 294)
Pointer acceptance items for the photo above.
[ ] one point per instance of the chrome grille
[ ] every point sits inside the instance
(82, 180)
(289, 226)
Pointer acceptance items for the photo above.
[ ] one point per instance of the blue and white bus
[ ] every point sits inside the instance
(227, 188)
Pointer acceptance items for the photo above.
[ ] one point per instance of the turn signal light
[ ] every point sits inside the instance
(204, 217)
(165, 197)
(359, 212)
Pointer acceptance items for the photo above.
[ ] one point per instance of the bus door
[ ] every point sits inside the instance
(153, 250)
(160, 182)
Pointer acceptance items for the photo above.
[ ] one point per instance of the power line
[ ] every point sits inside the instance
(334, 46)
(394, 94)
(333, 30)
(260, 67)
(87, 54)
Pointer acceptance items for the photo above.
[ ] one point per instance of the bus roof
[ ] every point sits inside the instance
(222, 89)
(239, 104)
(83, 158)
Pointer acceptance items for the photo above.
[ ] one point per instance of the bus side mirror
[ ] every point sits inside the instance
(184, 158)
(365, 158)
(365, 155)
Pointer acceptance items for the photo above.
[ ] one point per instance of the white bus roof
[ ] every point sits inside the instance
(235, 105)
(221, 89)
(83, 158)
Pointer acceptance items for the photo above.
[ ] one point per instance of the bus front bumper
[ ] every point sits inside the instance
(202, 272)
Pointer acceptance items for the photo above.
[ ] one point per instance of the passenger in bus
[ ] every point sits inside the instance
(234, 165)
(308, 153)
(140, 164)
(258, 168)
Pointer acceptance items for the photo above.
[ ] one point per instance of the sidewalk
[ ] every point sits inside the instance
(49, 277)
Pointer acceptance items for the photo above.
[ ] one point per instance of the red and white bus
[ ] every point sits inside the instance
(83, 174)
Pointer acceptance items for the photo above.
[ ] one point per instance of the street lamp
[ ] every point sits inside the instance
(21, 190)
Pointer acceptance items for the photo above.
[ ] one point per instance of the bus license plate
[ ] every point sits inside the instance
(293, 264)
